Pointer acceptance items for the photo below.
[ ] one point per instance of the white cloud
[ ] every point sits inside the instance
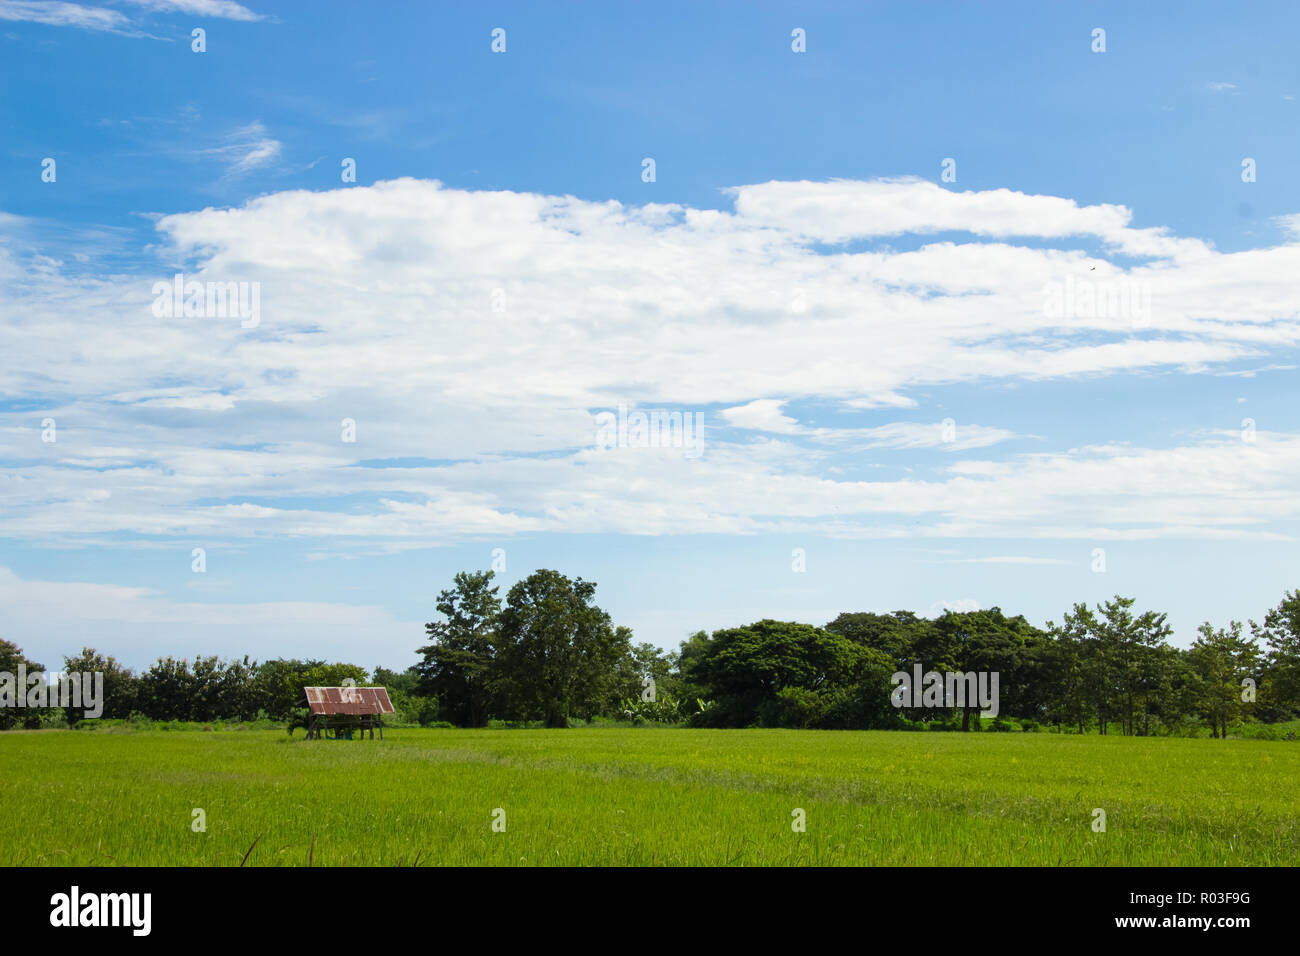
(194, 398)
(246, 149)
(839, 211)
(63, 15)
(377, 304)
(215, 9)
(765, 415)
(1290, 224)
(919, 435)
(762, 414)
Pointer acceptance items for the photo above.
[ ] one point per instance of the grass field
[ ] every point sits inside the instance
(645, 797)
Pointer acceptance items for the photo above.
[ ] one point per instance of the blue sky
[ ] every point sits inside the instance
(799, 274)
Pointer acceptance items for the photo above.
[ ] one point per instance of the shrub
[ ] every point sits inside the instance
(665, 710)
(795, 707)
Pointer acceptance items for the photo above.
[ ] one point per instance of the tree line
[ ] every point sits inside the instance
(548, 654)
(203, 690)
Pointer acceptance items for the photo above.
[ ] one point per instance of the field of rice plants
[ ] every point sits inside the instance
(641, 796)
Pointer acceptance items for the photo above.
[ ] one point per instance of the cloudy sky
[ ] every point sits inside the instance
(972, 312)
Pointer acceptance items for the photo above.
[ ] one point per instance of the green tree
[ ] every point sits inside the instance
(278, 684)
(167, 690)
(398, 682)
(1280, 632)
(1063, 677)
(744, 670)
(985, 641)
(557, 648)
(1222, 659)
(11, 656)
(1036, 694)
(404, 691)
(209, 689)
(897, 634)
(121, 687)
(1115, 656)
(642, 664)
(1160, 678)
(459, 665)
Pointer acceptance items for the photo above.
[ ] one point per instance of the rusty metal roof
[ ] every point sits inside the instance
(348, 700)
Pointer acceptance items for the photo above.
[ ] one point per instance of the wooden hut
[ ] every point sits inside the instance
(336, 712)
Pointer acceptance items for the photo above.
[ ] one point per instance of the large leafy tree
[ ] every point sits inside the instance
(1034, 695)
(459, 665)
(1221, 660)
(405, 682)
(121, 687)
(692, 650)
(557, 649)
(167, 690)
(1280, 632)
(1118, 652)
(746, 669)
(640, 665)
(277, 686)
(11, 655)
(1161, 685)
(897, 634)
(988, 642)
(404, 691)
(1062, 678)
(207, 689)
(1137, 642)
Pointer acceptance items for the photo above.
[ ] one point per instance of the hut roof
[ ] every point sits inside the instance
(348, 700)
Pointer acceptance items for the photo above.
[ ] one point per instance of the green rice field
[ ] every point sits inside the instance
(641, 796)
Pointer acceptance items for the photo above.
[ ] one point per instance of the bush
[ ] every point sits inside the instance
(412, 711)
(863, 706)
(1258, 731)
(795, 707)
(53, 719)
(665, 710)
